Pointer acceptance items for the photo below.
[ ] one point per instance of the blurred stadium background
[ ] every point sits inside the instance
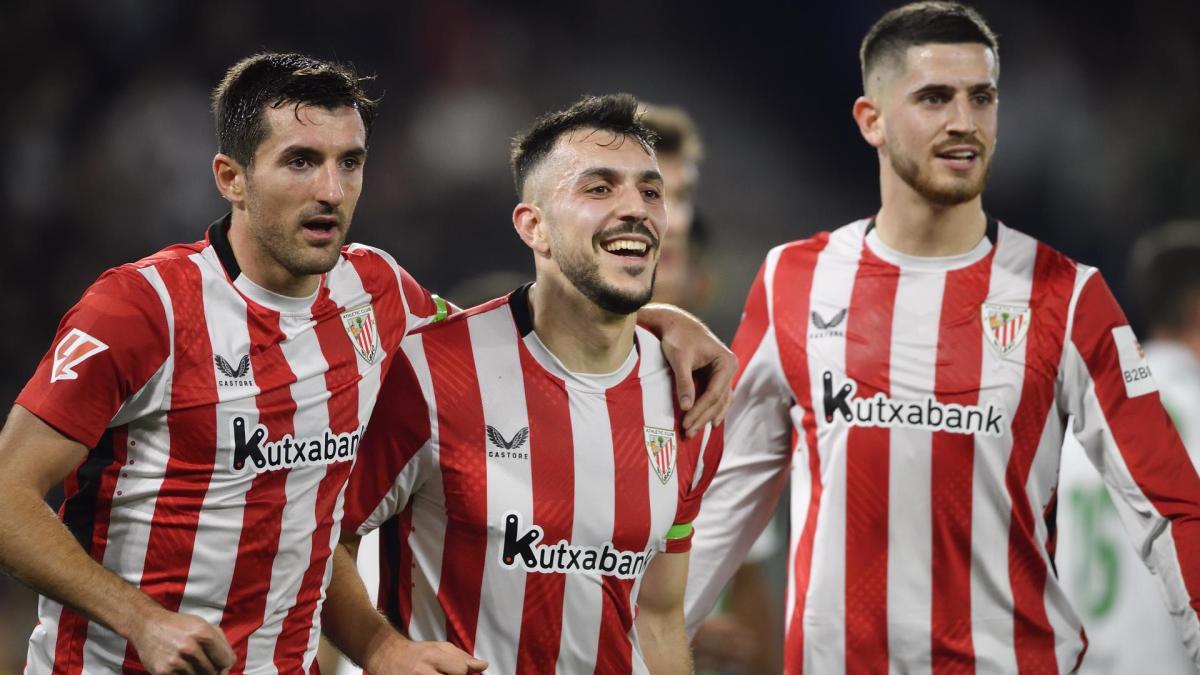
(108, 137)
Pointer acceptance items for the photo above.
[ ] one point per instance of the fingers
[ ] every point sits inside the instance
(218, 650)
(714, 401)
(476, 665)
(685, 388)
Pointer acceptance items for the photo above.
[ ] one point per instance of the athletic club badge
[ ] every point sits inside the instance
(1005, 326)
(363, 331)
(660, 446)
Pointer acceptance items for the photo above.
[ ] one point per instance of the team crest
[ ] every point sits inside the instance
(660, 446)
(1005, 325)
(363, 331)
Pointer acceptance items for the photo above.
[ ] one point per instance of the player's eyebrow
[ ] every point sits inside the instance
(613, 175)
(295, 149)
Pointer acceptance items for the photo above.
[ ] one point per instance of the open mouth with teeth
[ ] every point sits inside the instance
(959, 158)
(627, 248)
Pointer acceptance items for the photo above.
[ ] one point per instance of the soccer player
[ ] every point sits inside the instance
(204, 407)
(916, 372)
(526, 463)
(1129, 628)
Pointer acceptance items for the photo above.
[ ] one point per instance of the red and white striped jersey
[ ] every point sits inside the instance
(519, 503)
(920, 405)
(223, 420)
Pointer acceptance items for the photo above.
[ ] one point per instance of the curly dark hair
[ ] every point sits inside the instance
(617, 113)
(275, 80)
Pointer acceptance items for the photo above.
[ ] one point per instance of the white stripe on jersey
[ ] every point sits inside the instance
(910, 586)
(220, 524)
(1010, 283)
(494, 348)
(825, 639)
(428, 621)
(591, 437)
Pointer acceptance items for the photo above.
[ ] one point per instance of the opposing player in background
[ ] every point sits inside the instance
(745, 635)
(527, 463)
(916, 372)
(1128, 625)
(204, 407)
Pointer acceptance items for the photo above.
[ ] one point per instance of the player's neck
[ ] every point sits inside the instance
(258, 265)
(912, 225)
(584, 337)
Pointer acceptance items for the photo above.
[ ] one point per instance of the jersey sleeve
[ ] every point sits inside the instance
(1122, 426)
(107, 347)
(753, 470)
(703, 455)
(390, 464)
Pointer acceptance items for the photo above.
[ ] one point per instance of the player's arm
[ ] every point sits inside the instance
(36, 548)
(393, 463)
(365, 636)
(660, 627)
(1121, 424)
(752, 472)
(692, 350)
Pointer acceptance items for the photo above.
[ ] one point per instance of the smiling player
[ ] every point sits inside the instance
(527, 466)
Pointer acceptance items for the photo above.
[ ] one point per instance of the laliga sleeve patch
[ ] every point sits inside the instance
(1135, 371)
(75, 348)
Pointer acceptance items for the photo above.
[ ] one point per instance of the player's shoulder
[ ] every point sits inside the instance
(845, 240)
(450, 324)
(1017, 248)
(128, 282)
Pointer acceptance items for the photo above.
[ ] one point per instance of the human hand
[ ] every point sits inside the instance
(169, 643)
(694, 352)
(409, 657)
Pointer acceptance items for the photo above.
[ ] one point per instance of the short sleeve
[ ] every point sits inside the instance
(388, 468)
(106, 349)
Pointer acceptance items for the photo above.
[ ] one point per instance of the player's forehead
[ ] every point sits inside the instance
(332, 130)
(965, 65)
(579, 152)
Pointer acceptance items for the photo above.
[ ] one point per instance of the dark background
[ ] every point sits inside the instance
(107, 139)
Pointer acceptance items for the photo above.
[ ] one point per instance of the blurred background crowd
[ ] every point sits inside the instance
(109, 138)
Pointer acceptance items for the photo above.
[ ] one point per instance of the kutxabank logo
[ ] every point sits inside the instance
(927, 413)
(289, 452)
(522, 551)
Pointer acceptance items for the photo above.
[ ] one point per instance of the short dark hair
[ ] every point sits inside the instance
(676, 132)
(1164, 275)
(272, 79)
(922, 23)
(617, 113)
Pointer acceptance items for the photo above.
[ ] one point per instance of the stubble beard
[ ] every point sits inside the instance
(924, 184)
(279, 242)
(584, 275)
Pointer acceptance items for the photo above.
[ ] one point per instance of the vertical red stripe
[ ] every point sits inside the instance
(341, 380)
(72, 626)
(1147, 440)
(959, 368)
(191, 423)
(868, 363)
(262, 518)
(552, 466)
(631, 516)
(1053, 282)
(464, 479)
(791, 304)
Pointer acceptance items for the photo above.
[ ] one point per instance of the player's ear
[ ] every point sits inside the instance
(531, 227)
(870, 120)
(230, 178)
